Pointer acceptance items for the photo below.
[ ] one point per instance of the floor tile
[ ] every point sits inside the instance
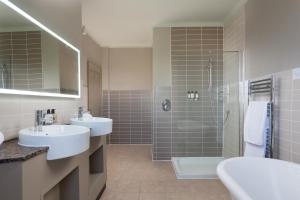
(132, 175)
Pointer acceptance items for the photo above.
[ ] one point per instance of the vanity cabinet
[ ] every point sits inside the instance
(26, 174)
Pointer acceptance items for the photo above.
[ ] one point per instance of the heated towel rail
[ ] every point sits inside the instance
(265, 87)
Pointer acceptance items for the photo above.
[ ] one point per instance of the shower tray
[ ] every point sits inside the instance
(196, 167)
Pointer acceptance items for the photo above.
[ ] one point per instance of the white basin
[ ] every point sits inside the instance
(99, 126)
(250, 178)
(63, 140)
(1, 138)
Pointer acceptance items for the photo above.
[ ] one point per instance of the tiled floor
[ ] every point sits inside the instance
(133, 176)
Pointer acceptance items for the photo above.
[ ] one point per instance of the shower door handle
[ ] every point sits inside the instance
(227, 113)
(166, 105)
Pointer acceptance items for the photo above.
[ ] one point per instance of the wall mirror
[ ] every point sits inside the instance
(94, 77)
(33, 59)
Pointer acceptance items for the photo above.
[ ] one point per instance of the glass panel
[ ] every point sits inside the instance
(188, 70)
(231, 104)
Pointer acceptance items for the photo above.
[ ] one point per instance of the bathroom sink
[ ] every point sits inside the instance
(251, 178)
(63, 140)
(99, 126)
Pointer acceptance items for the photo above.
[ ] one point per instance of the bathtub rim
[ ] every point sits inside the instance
(234, 188)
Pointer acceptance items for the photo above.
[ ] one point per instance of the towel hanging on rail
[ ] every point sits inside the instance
(257, 129)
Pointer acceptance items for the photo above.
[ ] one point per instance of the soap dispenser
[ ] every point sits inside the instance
(48, 118)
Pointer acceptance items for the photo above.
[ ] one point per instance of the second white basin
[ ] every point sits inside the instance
(63, 140)
(99, 126)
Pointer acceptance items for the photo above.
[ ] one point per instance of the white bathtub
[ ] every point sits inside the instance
(260, 178)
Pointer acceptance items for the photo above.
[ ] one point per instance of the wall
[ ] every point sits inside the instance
(162, 75)
(131, 111)
(130, 68)
(92, 52)
(272, 49)
(128, 94)
(272, 36)
(190, 128)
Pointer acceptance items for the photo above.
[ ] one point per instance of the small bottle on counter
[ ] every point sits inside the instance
(54, 115)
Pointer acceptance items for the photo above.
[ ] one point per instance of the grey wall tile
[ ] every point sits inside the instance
(131, 111)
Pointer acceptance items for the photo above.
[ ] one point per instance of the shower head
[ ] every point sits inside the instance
(210, 67)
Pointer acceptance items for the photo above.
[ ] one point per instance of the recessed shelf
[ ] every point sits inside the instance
(66, 189)
(97, 161)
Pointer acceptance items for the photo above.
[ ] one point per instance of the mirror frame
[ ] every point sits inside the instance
(40, 25)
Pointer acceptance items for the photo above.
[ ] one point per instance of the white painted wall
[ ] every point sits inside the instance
(162, 57)
(272, 36)
(130, 68)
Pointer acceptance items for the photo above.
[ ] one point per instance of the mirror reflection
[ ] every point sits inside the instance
(32, 59)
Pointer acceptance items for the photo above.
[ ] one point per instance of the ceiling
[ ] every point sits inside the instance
(129, 23)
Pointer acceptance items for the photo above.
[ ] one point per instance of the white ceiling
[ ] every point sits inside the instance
(129, 23)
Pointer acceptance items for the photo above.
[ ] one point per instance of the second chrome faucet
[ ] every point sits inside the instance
(43, 117)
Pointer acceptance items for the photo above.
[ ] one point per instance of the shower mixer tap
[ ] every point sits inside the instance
(166, 105)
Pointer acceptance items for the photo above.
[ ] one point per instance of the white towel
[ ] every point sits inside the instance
(87, 116)
(1, 138)
(256, 123)
(252, 150)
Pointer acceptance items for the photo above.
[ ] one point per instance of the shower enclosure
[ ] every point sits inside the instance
(189, 74)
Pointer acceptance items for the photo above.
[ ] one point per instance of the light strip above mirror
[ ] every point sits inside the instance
(21, 92)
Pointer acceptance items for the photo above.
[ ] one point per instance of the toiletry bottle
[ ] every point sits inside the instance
(54, 115)
(192, 95)
(189, 95)
(196, 96)
(48, 118)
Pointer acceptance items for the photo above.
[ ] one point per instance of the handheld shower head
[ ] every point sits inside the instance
(210, 63)
(210, 66)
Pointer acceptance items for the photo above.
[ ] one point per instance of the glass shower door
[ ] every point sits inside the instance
(201, 82)
(233, 107)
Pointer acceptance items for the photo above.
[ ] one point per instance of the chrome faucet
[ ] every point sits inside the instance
(39, 120)
(80, 112)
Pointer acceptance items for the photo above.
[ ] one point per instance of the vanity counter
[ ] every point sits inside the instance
(11, 151)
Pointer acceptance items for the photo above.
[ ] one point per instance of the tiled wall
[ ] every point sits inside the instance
(131, 111)
(191, 128)
(21, 52)
(162, 126)
(287, 117)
